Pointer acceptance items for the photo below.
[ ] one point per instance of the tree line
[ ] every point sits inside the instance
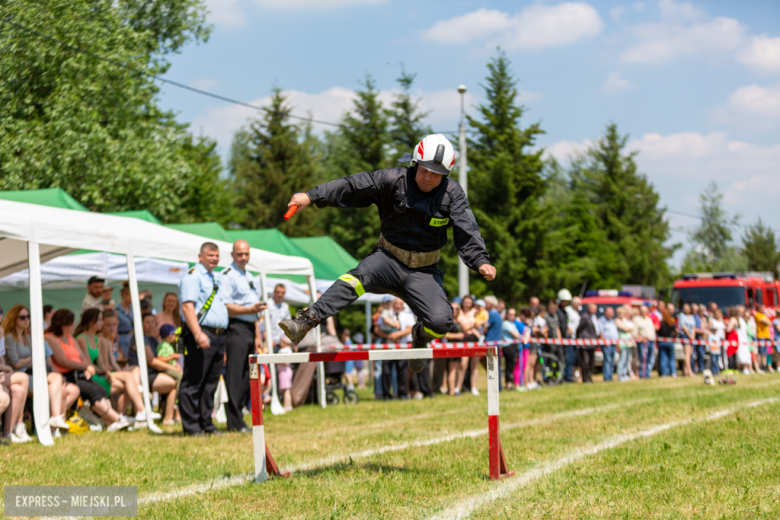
(95, 129)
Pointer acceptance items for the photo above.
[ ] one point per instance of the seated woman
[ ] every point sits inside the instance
(18, 354)
(98, 349)
(70, 361)
(14, 384)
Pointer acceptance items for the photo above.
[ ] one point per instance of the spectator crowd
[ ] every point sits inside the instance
(94, 381)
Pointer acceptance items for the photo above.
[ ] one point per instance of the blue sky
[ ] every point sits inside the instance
(695, 84)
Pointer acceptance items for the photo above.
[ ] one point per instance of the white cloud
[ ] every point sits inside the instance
(762, 54)
(679, 10)
(313, 4)
(478, 25)
(617, 12)
(565, 151)
(660, 42)
(615, 83)
(755, 106)
(535, 27)
(227, 13)
(222, 122)
(233, 13)
(681, 165)
(746, 172)
(684, 29)
(204, 83)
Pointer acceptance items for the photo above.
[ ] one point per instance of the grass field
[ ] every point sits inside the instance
(671, 448)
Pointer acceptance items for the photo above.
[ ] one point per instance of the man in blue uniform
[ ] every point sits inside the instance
(416, 206)
(203, 330)
(243, 336)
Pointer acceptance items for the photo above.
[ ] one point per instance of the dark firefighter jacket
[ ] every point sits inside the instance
(411, 219)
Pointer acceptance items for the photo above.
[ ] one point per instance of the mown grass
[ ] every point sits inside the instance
(697, 471)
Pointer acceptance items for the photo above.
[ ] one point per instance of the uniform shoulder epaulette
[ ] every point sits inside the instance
(226, 271)
(191, 271)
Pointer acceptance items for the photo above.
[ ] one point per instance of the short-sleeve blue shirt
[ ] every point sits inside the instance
(237, 288)
(196, 286)
(494, 330)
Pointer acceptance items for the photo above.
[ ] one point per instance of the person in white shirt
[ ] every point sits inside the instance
(573, 321)
(401, 366)
(278, 311)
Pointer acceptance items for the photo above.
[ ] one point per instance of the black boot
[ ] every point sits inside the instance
(417, 365)
(296, 328)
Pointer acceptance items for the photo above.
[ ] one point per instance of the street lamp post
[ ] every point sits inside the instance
(463, 271)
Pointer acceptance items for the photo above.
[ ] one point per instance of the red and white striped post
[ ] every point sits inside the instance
(496, 459)
(264, 462)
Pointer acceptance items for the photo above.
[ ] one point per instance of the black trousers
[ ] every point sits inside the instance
(422, 382)
(240, 341)
(510, 360)
(587, 358)
(401, 366)
(381, 273)
(202, 368)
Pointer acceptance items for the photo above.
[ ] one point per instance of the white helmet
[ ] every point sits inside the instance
(434, 152)
(564, 295)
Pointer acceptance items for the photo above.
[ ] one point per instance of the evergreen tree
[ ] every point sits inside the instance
(626, 208)
(360, 144)
(712, 239)
(206, 196)
(407, 118)
(271, 161)
(506, 185)
(761, 248)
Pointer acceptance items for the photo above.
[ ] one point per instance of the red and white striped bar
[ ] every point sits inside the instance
(371, 355)
(541, 341)
(264, 463)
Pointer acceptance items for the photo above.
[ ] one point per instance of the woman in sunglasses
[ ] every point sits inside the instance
(18, 354)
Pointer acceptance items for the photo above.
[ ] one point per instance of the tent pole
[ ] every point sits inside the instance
(140, 345)
(368, 322)
(276, 406)
(40, 399)
(318, 336)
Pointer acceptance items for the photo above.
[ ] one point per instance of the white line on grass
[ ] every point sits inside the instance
(242, 479)
(464, 508)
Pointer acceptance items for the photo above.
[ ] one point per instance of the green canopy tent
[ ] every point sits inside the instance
(275, 241)
(210, 230)
(52, 197)
(329, 251)
(143, 214)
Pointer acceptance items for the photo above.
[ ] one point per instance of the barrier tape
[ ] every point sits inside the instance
(546, 341)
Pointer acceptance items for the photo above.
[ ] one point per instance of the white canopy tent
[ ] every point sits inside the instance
(31, 234)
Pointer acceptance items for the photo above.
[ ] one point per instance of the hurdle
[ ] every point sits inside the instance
(266, 467)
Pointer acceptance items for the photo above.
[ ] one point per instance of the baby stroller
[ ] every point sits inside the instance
(334, 372)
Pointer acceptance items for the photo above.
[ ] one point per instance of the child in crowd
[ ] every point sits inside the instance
(167, 353)
(285, 373)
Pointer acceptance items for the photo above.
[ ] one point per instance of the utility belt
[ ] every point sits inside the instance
(411, 259)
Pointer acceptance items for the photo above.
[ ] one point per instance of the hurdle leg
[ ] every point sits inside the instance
(264, 462)
(496, 459)
(258, 432)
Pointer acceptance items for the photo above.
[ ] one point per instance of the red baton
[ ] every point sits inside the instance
(290, 212)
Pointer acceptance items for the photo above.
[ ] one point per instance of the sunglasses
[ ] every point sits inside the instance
(24, 317)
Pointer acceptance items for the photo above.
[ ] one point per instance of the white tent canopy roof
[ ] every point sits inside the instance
(60, 231)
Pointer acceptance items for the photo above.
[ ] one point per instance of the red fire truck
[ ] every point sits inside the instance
(727, 289)
(614, 298)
